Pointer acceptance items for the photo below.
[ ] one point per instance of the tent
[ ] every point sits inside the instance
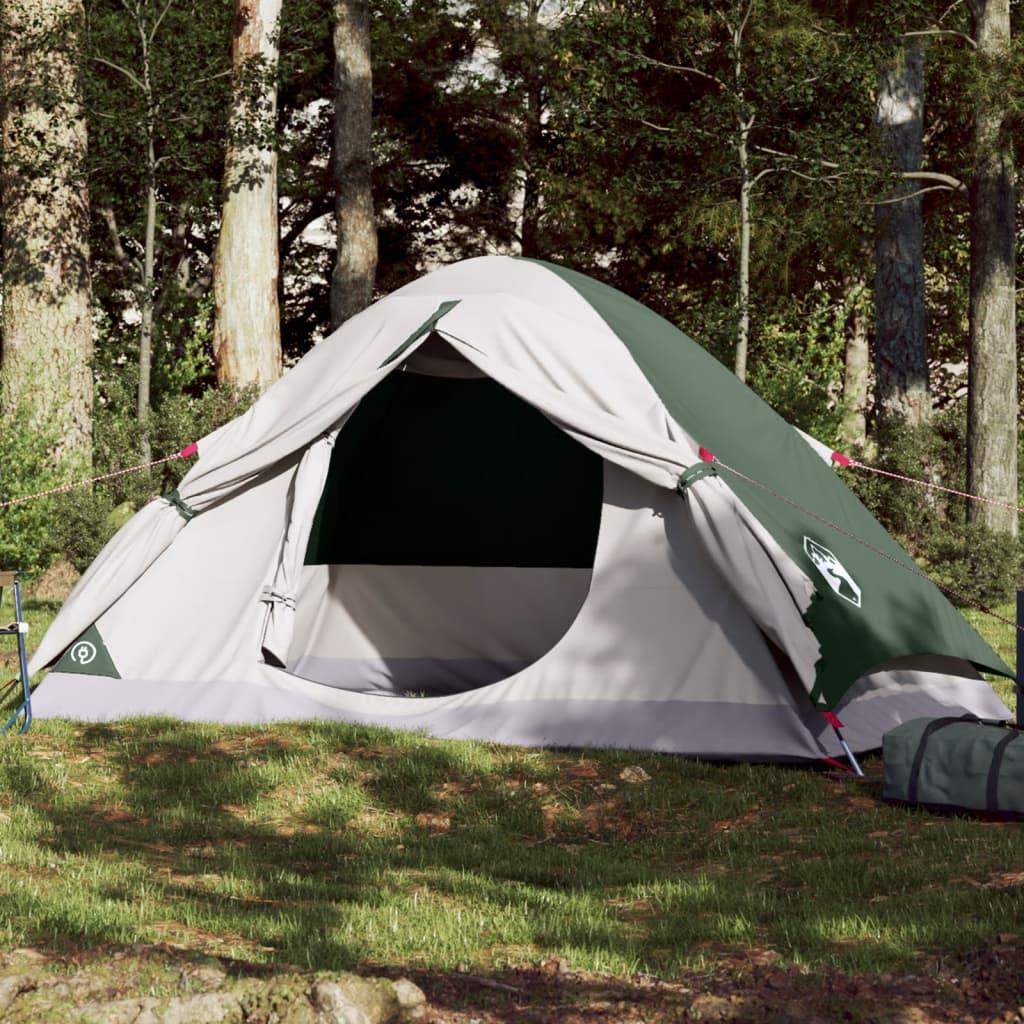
(486, 507)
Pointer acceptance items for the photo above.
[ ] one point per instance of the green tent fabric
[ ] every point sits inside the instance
(899, 611)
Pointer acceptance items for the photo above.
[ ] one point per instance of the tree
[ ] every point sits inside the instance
(992, 365)
(901, 343)
(355, 264)
(47, 322)
(247, 324)
(158, 99)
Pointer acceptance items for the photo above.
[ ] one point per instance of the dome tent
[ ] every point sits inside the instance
(480, 509)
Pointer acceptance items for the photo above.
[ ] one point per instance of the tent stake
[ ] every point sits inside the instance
(837, 728)
(849, 753)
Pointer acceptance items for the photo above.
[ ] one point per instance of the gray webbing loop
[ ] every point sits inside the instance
(186, 511)
(693, 473)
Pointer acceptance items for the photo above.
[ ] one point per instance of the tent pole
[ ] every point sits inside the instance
(1020, 657)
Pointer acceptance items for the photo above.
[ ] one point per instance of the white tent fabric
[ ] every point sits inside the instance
(687, 635)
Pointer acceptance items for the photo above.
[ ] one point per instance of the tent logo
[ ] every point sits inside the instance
(83, 653)
(833, 571)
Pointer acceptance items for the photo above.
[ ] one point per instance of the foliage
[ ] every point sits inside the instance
(77, 524)
(157, 92)
(25, 530)
(982, 568)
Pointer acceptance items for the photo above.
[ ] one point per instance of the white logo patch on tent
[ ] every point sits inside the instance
(833, 571)
(83, 652)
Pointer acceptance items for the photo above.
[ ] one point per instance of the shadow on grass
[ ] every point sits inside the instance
(331, 846)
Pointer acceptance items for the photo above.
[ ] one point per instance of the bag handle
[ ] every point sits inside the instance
(933, 727)
(992, 784)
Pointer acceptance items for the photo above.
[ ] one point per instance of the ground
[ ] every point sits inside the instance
(510, 884)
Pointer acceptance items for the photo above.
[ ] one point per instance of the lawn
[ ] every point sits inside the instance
(330, 845)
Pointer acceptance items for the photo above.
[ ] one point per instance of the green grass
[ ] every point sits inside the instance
(331, 845)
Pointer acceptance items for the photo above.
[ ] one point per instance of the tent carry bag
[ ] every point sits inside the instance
(958, 763)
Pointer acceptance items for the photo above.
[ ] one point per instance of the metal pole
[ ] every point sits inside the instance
(1020, 657)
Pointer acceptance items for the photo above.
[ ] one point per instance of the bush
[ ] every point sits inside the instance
(982, 567)
(26, 468)
(77, 524)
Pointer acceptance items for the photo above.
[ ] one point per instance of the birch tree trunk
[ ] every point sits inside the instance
(45, 372)
(355, 266)
(744, 126)
(853, 429)
(247, 321)
(901, 338)
(992, 365)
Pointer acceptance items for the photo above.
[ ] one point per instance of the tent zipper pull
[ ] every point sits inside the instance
(837, 727)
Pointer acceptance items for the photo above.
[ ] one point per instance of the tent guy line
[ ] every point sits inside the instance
(967, 602)
(187, 452)
(848, 462)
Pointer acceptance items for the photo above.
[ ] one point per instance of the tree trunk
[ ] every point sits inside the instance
(901, 339)
(992, 365)
(247, 321)
(45, 374)
(743, 296)
(741, 12)
(355, 266)
(530, 233)
(853, 429)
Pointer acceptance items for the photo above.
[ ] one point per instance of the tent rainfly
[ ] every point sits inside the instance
(480, 509)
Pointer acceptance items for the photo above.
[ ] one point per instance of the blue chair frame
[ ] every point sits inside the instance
(17, 628)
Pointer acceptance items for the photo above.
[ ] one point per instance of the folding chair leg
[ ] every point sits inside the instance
(24, 709)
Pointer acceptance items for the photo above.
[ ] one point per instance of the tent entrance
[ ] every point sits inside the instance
(454, 540)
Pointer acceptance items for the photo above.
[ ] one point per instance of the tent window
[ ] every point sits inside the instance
(441, 471)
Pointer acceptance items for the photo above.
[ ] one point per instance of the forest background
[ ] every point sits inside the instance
(195, 192)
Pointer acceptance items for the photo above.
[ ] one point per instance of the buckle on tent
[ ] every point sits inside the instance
(692, 474)
(271, 596)
(185, 511)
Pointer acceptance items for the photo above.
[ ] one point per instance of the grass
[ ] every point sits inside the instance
(332, 845)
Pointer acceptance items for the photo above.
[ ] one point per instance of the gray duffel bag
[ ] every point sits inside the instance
(957, 763)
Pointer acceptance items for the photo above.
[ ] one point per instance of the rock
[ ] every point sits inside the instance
(411, 1000)
(181, 990)
(209, 1008)
(712, 1008)
(56, 582)
(12, 986)
(634, 774)
(334, 1006)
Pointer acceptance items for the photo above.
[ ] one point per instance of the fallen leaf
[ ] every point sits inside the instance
(437, 823)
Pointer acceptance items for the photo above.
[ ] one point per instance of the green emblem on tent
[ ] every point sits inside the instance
(88, 656)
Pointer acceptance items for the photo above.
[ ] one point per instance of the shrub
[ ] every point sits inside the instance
(77, 524)
(26, 468)
(982, 567)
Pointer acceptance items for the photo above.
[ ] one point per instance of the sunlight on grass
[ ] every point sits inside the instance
(332, 845)
(327, 845)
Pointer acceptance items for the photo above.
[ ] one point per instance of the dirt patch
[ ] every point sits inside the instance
(56, 583)
(986, 985)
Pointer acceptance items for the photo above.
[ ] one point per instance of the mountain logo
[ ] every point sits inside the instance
(833, 571)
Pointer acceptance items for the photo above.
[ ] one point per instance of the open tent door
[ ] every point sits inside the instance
(454, 539)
